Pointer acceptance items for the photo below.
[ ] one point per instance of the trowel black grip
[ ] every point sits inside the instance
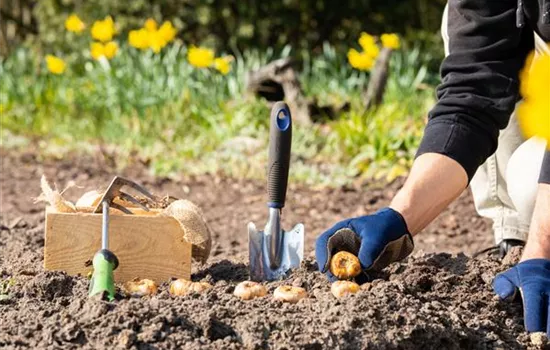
(280, 138)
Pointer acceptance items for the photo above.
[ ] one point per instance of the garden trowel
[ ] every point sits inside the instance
(274, 251)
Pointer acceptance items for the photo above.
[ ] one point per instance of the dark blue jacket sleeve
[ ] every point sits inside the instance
(480, 83)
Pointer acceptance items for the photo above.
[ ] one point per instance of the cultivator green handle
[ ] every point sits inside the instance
(103, 280)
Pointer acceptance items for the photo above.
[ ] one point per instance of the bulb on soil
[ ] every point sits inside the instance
(182, 287)
(140, 287)
(343, 288)
(345, 265)
(289, 294)
(249, 290)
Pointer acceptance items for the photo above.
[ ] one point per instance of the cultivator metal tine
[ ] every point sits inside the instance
(126, 197)
(135, 186)
(114, 191)
(121, 208)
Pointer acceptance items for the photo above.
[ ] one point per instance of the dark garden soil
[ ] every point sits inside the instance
(440, 298)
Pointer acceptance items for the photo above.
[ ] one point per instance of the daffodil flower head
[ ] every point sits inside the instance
(74, 24)
(534, 110)
(366, 41)
(167, 31)
(139, 38)
(103, 30)
(108, 50)
(223, 64)
(150, 24)
(360, 60)
(200, 57)
(55, 64)
(156, 41)
(390, 41)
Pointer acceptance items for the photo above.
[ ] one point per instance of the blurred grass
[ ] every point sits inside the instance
(182, 120)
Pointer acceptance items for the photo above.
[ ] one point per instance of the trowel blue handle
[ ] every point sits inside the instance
(280, 139)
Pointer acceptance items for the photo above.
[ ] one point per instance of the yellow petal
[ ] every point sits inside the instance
(74, 24)
(150, 24)
(167, 31)
(103, 30)
(366, 40)
(97, 50)
(156, 41)
(139, 38)
(390, 41)
(110, 49)
(200, 57)
(55, 64)
(360, 60)
(223, 64)
(534, 110)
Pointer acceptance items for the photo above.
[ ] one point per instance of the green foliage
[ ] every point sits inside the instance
(231, 25)
(180, 119)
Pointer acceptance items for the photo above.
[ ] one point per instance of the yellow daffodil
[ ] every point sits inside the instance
(103, 30)
(373, 51)
(108, 50)
(368, 44)
(167, 31)
(534, 111)
(200, 57)
(74, 24)
(55, 65)
(96, 50)
(366, 41)
(390, 41)
(223, 64)
(156, 41)
(139, 38)
(150, 24)
(360, 60)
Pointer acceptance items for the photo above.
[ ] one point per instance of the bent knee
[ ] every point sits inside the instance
(522, 175)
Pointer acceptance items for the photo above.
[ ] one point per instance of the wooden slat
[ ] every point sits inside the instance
(146, 246)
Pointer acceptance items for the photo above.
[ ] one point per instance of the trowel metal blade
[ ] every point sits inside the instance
(292, 253)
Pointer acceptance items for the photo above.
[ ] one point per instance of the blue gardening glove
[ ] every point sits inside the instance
(532, 279)
(377, 240)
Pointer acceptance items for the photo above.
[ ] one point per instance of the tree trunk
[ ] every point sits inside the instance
(374, 94)
(276, 81)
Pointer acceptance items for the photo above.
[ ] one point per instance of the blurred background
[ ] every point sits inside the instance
(185, 86)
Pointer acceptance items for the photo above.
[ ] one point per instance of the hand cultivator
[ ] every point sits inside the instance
(273, 251)
(105, 261)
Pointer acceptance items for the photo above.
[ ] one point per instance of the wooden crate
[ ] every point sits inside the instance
(147, 246)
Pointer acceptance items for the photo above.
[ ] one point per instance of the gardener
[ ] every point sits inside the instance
(487, 43)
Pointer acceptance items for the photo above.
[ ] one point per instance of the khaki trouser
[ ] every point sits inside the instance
(504, 187)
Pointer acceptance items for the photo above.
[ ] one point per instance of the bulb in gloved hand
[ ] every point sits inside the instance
(345, 265)
(343, 288)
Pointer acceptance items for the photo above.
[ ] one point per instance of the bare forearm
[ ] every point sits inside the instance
(538, 243)
(434, 182)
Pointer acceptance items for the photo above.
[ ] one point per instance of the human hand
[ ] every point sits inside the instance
(532, 279)
(377, 240)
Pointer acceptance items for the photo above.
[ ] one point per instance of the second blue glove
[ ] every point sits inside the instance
(532, 278)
